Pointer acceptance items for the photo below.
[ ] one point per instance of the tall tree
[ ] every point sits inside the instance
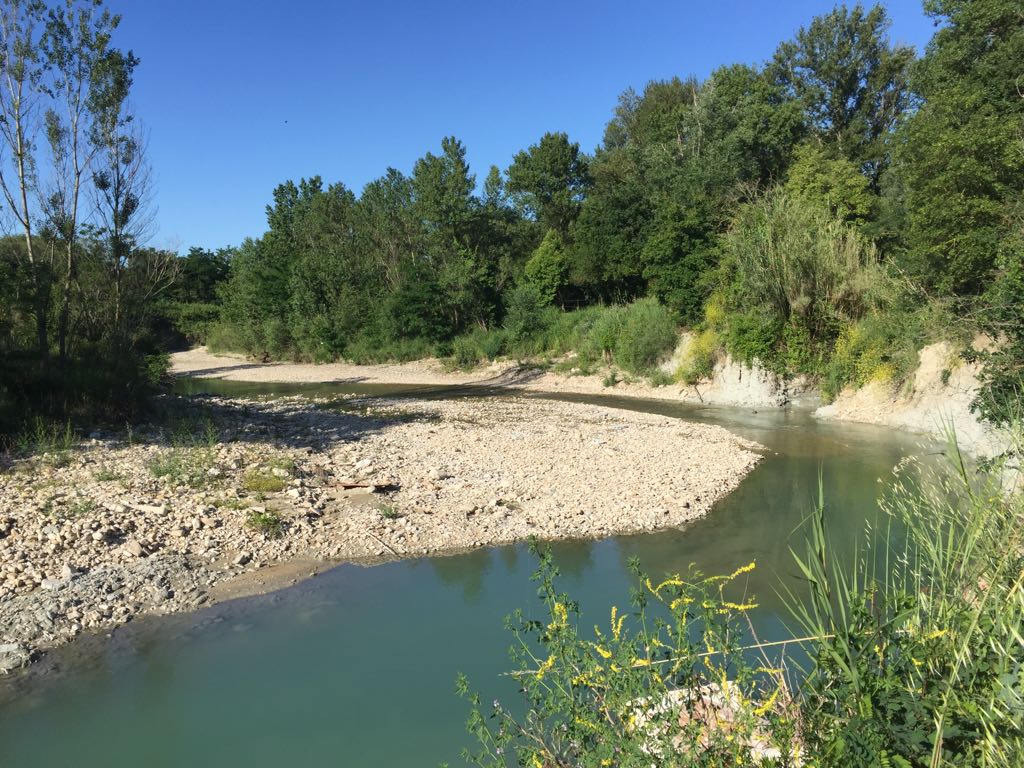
(549, 181)
(120, 176)
(851, 81)
(22, 68)
(959, 154)
(75, 44)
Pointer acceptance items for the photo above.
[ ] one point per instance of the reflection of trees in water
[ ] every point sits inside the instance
(763, 519)
(573, 558)
(510, 556)
(468, 570)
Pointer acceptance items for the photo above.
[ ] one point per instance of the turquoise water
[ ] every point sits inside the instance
(356, 667)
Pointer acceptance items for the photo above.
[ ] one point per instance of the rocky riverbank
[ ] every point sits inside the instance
(939, 395)
(168, 518)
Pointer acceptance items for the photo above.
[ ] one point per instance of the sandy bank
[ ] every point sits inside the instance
(116, 529)
(938, 397)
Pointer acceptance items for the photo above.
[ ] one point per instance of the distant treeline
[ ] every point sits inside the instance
(826, 213)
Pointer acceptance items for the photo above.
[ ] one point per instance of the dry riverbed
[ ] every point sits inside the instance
(257, 493)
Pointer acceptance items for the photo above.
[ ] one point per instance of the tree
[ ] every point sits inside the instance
(547, 268)
(75, 45)
(851, 81)
(121, 177)
(959, 154)
(22, 68)
(677, 258)
(819, 175)
(549, 181)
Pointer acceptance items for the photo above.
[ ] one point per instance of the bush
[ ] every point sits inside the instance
(222, 337)
(603, 333)
(616, 697)
(466, 352)
(266, 522)
(699, 362)
(646, 335)
(922, 664)
(526, 317)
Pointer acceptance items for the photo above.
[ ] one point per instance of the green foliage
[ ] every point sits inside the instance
(190, 457)
(263, 481)
(479, 345)
(834, 181)
(618, 696)
(677, 259)
(525, 314)
(548, 180)
(40, 437)
(647, 334)
(959, 152)
(913, 655)
(547, 267)
(920, 665)
(1003, 373)
(851, 81)
(795, 274)
(267, 522)
(699, 361)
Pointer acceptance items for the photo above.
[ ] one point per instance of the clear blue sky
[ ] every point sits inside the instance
(239, 95)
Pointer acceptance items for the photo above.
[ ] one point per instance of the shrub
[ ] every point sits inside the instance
(262, 481)
(603, 334)
(525, 315)
(647, 334)
(921, 664)
(466, 352)
(638, 690)
(547, 268)
(266, 522)
(917, 665)
(699, 362)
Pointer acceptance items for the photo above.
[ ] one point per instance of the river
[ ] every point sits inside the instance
(356, 667)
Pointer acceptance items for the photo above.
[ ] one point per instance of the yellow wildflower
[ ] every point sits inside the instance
(727, 606)
(617, 623)
(546, 667)
(604, 652)
(763, 709)
(561, 616)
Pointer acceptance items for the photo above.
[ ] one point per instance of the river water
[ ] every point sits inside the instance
(356, 667)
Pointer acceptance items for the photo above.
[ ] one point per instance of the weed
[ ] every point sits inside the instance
(388, 512)
(611, 379)
(266, 522)
(231, 503)
(106, 476)
(80, 507)
(659, 378)
(261, 481)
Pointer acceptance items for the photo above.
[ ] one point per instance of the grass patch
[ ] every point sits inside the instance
(231, 503)
(106, 476)
(262, 481)
(388, 512)
(193, 453)
(266, 522)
